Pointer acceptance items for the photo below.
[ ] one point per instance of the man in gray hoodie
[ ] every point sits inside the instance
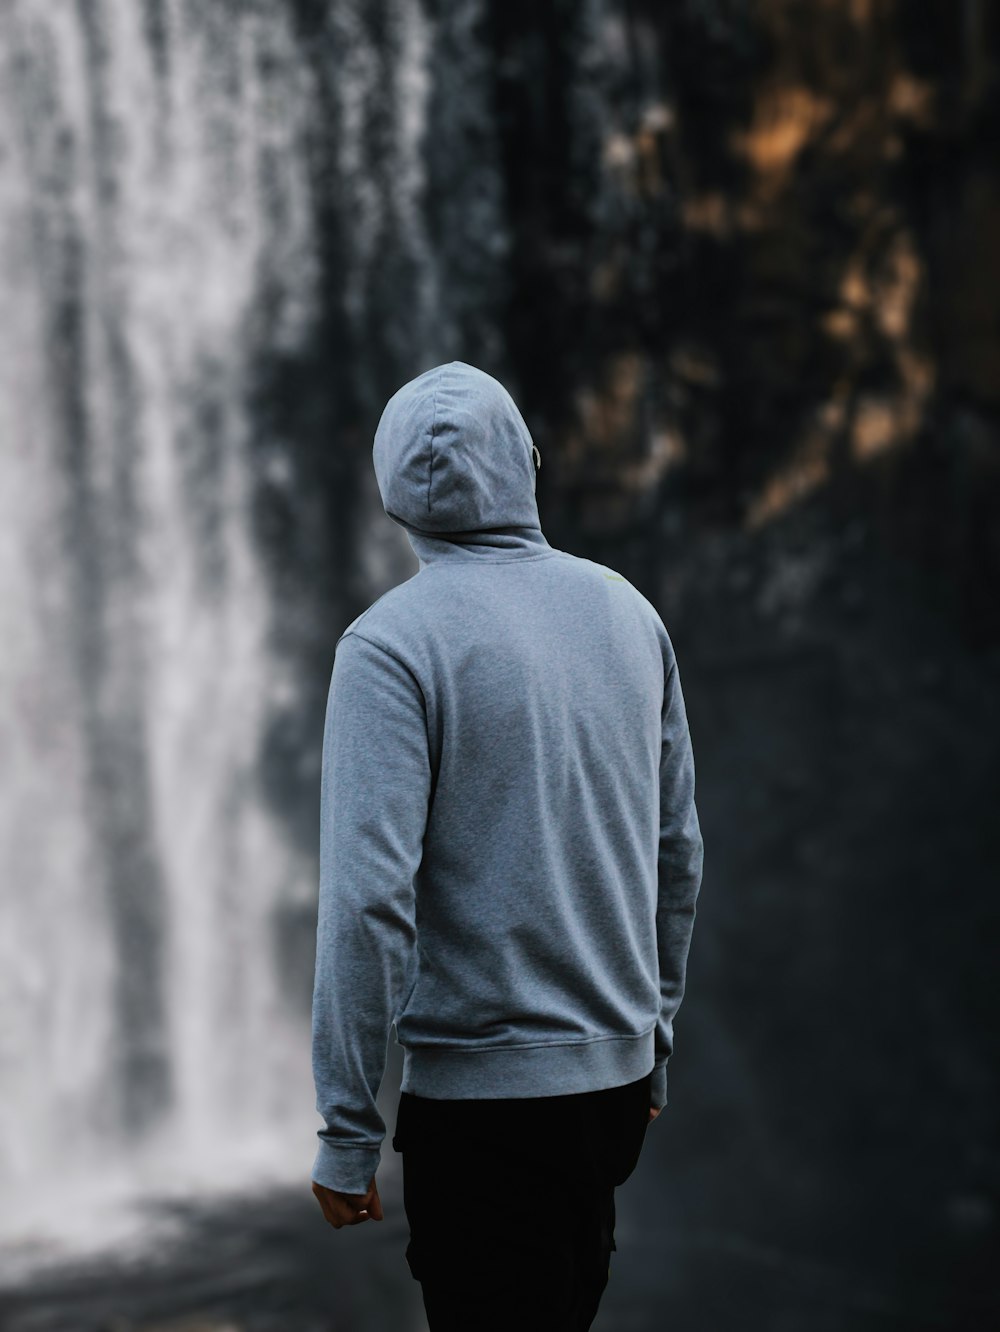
(510, 857)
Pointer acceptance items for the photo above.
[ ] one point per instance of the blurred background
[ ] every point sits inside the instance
(739, 265)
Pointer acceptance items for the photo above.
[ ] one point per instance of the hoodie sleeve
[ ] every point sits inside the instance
(680, 870)
(373, 811)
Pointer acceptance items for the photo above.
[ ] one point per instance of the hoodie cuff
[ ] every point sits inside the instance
(345, 1169)
(658, 1087)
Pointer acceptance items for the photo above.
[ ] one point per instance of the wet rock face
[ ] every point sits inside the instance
(722, 254)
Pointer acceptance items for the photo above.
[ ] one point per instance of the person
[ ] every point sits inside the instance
(510, 858)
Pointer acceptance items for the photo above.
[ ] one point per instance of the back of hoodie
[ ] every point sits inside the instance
(510, 852)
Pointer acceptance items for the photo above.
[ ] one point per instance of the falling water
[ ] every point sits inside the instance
(155, 178)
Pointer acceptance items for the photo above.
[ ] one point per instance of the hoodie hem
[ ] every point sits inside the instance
(448, 1073)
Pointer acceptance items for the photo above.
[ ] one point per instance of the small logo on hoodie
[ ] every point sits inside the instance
(616, 578)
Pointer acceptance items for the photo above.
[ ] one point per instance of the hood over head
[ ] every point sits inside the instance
(455, 467)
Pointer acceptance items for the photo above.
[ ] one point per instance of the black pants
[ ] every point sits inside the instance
(511, 1204)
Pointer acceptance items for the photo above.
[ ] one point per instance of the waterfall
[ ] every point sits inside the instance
(162, 170)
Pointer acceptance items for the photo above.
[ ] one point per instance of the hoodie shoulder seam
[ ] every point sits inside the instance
(372, 642)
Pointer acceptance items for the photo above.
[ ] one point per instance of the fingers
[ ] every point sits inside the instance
(349, 1209)
(341, 1209)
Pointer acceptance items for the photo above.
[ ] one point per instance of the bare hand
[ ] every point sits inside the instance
(652, 1114)
(349, 1209)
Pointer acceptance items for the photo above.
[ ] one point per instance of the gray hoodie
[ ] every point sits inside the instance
(510, 852)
